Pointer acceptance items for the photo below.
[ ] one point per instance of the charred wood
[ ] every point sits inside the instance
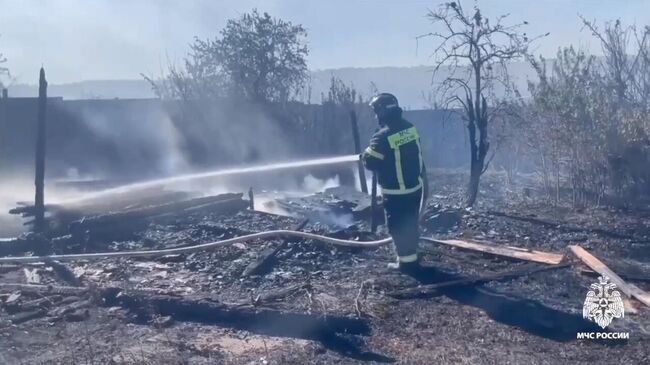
(42, 289)
(27, 316)
(64, 273)
(426, 291)
(129, 221)
(266, 258)
(563, 227)
(258, 320)
(30, 242)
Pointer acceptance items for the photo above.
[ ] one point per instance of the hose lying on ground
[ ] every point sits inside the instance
(204, 246)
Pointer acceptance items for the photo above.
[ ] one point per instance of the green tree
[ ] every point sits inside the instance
(258, 57)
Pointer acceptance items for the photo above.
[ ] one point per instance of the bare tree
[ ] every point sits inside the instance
(474, 51)
(3, 70)
(339, 101)
(585, 124)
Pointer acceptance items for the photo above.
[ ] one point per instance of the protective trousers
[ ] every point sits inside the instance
(402, 217)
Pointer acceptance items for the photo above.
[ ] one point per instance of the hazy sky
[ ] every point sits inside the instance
(119, 39)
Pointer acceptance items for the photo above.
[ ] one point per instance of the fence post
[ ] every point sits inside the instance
(373, 204)
(39, 181)
(357, 150)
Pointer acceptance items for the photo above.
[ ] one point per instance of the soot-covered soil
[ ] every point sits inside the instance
(320, 304)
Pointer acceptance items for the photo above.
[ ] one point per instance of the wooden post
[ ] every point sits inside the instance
(357, 150)
(373, 204)
(251, 199)
(39, 181)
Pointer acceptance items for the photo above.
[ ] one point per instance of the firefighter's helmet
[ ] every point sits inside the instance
(384, 103)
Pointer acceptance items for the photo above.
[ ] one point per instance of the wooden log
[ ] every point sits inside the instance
(258, 320)
(42, 289)
(433, 289)
(27, 316)
(265, 258)
(59, 312)
(512, 252)
(26, 243)
(32, 305)
(595, 264)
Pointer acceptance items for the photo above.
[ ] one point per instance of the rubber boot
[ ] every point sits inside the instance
(405, 267)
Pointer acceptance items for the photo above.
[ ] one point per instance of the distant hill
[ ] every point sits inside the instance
(412, 85)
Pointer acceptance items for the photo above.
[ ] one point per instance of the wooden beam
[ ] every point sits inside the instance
(261, 320)
(506, 251)
(39, 180)
(42, 289)
(357, 150)
(598, 266)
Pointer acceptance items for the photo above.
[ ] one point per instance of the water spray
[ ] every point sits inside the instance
(212, 174)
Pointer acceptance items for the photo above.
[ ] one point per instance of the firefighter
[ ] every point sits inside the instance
(394, 154)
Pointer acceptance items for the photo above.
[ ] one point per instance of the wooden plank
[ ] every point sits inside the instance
(516, 253)
(41, 289)
(595, 264)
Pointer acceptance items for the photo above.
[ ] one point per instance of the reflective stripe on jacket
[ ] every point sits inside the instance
(395, 155)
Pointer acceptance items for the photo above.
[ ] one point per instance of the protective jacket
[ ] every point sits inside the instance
(394, 154)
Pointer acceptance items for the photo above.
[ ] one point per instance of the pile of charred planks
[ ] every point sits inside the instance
(113, 217)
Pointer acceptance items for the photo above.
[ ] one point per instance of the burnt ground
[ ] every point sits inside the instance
(321, 304)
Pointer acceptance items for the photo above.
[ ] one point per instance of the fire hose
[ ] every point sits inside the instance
(211, 245)
(195, 248)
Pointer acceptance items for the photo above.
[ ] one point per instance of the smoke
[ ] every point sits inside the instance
(313, 185)
(10, 193)
(357, 181)
(14, 189)
(270, 184)
(145, 139)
